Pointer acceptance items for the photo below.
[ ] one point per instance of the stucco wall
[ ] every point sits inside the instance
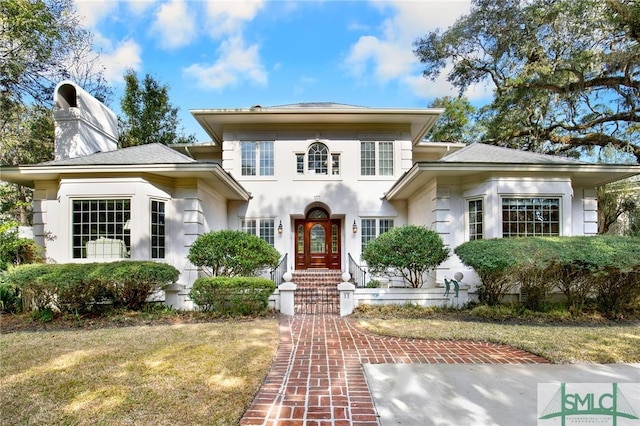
(286, 196)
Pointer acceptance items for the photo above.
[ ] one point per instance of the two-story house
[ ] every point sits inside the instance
(315, 180)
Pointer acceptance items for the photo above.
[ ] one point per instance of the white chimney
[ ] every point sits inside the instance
(83, 124)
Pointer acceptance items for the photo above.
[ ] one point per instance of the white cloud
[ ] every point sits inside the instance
(93, 11)
(235, 63)
(174, 24)
(127, 54)
(227, 18)
(388, 56)
(138, 7)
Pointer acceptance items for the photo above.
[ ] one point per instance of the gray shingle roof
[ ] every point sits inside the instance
(154, 153)
(483, 153)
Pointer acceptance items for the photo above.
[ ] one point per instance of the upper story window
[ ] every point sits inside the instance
(319, 161)
(100, 228)
(476, 219)
(376, 158)
(257, 159)
(522, 217)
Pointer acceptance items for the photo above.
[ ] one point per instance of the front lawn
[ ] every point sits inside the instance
(572, 341)
(178, 374)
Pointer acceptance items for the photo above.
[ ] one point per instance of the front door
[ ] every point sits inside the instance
(317, 241)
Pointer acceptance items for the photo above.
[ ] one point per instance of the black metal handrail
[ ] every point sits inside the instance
(279, 271)
(358, 275)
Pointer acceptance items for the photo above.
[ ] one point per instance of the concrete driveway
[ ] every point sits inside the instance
(490, 394)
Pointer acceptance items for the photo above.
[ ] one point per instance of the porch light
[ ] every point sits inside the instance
(355, 227)
(280, 228)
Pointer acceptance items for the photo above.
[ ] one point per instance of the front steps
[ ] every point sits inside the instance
(317, 291)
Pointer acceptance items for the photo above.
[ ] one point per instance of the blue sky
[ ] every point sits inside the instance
(234, 54)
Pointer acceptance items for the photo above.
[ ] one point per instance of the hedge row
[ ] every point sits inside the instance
(78, 287)
(232, 295)
(603, 268)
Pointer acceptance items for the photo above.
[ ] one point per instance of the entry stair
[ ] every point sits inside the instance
(317, 291)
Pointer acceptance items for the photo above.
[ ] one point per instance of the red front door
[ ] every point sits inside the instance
(317, 241)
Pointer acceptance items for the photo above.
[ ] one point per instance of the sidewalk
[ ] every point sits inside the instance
(318, 376)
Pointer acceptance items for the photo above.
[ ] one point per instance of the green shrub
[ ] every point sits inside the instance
(232, 253)
(130, 283)
(10, 300)
(617, 291)
(581, 267)
(15, 250)
(232, 295)
(78, 287)
(408, 251)
(491, 259)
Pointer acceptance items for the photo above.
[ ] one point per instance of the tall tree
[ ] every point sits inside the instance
(456, 122)
(614, 201)
(149, 117)
(565, 73)
(41, 43)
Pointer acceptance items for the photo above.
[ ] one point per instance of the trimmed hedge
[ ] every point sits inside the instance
(604, 268)
(78, 287)
(232, 295)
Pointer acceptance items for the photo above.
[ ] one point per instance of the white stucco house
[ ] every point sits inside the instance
(315, 180)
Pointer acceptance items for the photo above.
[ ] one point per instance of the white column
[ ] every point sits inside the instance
(287, 294)
(346, 290)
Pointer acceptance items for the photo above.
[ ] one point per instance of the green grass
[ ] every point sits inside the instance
(561, 340)
(180, 374)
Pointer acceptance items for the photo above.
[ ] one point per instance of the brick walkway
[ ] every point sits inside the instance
(317, 377)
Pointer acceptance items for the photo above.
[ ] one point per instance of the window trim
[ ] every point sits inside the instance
(302, 157)
(376, 229)
(468, 221)
(559, 222)
(125, 233)
(377, 159)
(164, 229)
(257, 228)
(259, 148)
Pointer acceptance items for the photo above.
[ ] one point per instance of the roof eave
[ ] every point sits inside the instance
(30, 174)
(214, 121)
(593, 175)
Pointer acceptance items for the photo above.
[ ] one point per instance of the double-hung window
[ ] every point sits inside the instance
(523, 217)
(376, 158)
(257, 158)
(372, 228)
(263, 228)
(157, 229)
(475, 219)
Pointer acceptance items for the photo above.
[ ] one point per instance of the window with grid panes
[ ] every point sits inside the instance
(157, 229)
(376, 158)
(523, 217)
(476, 219)
(257, 158)
(93, 219)
(263, 228)
(372, 228)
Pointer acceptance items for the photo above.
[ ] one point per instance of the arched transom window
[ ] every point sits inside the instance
(317, 158)
(319, 161)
